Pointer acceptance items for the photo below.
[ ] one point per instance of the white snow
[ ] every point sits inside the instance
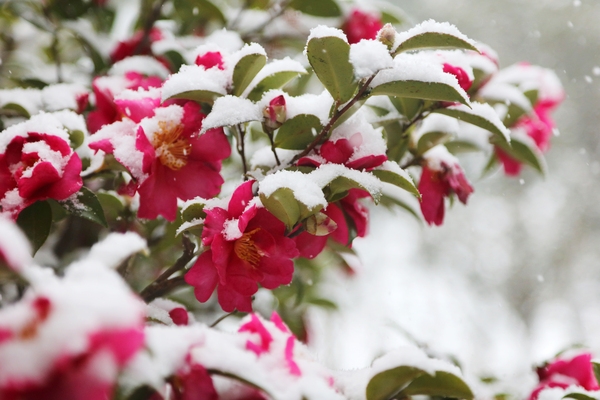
(283, 65)
(231, 110)
(438, 155)
(304, 187)
(326, 31)
(528, 77)
(435, 123)
(14, 246)
(369, 57)
(143, 64)
(507, 93)
(308, 103)
(486, 112)
(41, 123)
(364, 138)
(326, 173)
(116, 248)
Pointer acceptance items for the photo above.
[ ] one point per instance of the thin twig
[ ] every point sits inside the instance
(148, 25)
(163, 284)
(325, 131)
(221, 318)
(241, 148)
(273, 149)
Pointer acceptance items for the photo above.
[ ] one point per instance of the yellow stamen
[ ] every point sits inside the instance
(246, 249)
(171, 149)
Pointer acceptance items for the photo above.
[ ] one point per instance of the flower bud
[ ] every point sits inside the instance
(210, 59)
(320, 225)
(275, 113)
(387, 35)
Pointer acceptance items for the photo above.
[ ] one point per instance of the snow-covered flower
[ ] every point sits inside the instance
(106, 88)
(442, 176)
(275, 113)
(247, 246)
(463, 78)
(210, 59)
(36, 163)
(164, 152)
(361, 24)
(562, 373)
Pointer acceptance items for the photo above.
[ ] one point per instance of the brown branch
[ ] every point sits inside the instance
(325, 131)
(148, 25)
(241, 148)
(163, 284)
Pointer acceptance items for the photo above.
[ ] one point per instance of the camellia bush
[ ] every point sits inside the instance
(171, 163)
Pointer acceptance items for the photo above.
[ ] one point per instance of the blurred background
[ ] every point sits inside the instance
(514, 277)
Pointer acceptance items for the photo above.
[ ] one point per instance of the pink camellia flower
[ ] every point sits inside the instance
(441, 176)
(247, 246)
(134, 46)
(69, 338)
(106, 88)
(210, 59)
(275, 113)
(461, 75)
(345, 151)
(347, 214)
(164, 152)
(561, 373)
(361, 25)
(36, 163)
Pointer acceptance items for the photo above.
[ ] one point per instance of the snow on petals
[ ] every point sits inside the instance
(36, 163)
(563, 373)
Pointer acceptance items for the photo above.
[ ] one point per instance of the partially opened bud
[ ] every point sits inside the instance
(275, 113)
(387, 35)
(320, 225)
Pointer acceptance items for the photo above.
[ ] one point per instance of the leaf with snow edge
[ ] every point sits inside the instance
(434, 40)
(443, 384)
(318, 8)
(578, 396)
(283, 205)
(508, 95)
(387, 384)
(273, 76)
(327, 174)
(525, 151)
(86, 205)
(35, 221)
(329, 58)
(231, 110)
(436, 91)
(245, 70)
(338, 188)
(432, 34)
(193, 211)
(193, 82)
(481, 115)
(298, 132)
(391, 172)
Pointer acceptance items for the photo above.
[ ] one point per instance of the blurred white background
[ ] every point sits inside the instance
(514, 277)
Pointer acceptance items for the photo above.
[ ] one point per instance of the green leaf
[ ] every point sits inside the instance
(192, 212)
(596, 367)
(87, 206)
(391, 202)
(199, 96)
(351, 111)
(461, 146)
(338, 189)
(36, 221)
(175, 59)
(258, 4)
(524, 152)
(397, 180)
(397, 141)
(17, 108)
(319, 8)
(407, 106)
(420, 90)
(434, 40)
(282, 204)
(274, 81)
(474, 119)
(443, 384)
(298, 132)
(323, 303)
(386, 384)
(578, 396)
(111, 205)
(196, 10)
(431, 139)
(245, 70)
(76, 137)
(92, 52)
(329, 58)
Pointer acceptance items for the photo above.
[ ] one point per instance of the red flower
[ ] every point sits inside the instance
(361, 25)
(275, 113)
(440, 179)
(344, 151)
(134, 46)
(210, 59)
(564, 373)
(36, 163)
(164, 152)
(463, 78)
(105, 90)
(248, 247)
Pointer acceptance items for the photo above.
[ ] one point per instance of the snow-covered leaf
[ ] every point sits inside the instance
(434, 40)
(420, 90)
(481, 115)
(442, 384)
(390, 172)
(274, 76)
(431, 139)
(461, 146)
(231, 110)
(524, 151)
(386, 384)
(283, 205)
(245, 70)
(329, 57)
(297, 133)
